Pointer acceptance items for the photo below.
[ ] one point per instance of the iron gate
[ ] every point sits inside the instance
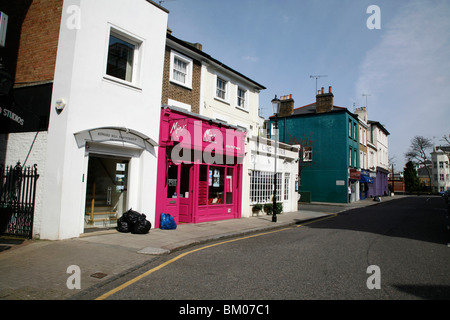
(17, 197)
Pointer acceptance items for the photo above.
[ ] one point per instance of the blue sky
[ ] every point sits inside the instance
(404, 66)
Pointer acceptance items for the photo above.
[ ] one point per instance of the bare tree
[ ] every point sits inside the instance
(418, 152)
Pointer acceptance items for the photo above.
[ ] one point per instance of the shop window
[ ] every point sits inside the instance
(216, 185)
(261, 186)
(229, 186)
(203, 186)
(172, 177)
(287, 177)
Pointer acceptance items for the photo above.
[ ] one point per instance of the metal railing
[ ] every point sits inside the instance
(17, 199)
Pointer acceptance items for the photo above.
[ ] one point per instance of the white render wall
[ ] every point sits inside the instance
(438, 184)
(93, 101)
(380, 140)
(262, 159)
(16, 147)
(228, 111)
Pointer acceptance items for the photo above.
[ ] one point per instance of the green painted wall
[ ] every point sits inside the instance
(326, 176)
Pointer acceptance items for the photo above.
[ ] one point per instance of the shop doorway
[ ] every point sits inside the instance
(106, 191)
(180, 191)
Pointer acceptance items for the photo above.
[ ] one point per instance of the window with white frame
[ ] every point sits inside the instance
(350, 157)
(181, 69)
(261, 187)
(307, 154)
(242, 98)
(123, 57)
(221, 89)
(287, 177)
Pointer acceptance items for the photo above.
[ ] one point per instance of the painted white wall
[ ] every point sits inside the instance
(438, 156)
(262, 159)
(17, 147)
(93, 100)
(227, 110)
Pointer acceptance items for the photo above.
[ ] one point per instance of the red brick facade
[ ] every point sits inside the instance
(179, 93)
(39, 42)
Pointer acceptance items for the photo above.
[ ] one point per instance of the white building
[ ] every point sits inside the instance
(440, 168)
(378, 148)
(98, 156)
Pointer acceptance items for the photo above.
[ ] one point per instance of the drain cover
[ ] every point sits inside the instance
(98, 275)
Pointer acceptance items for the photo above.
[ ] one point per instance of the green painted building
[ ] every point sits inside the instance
(329, 159)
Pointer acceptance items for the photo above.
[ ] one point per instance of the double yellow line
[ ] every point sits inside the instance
(149, 272)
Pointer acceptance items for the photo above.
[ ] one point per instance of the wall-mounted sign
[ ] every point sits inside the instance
(115, 134)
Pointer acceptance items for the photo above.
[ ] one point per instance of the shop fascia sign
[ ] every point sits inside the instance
(354, 174)
(115, 134)
(209, 140)
(266, 148)
(179, 129)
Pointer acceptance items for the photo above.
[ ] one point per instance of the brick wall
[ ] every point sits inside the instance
(179, 93)
(39, 41)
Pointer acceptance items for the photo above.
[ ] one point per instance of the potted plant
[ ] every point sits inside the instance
(257, 208)
(268, 208)
(279, 207)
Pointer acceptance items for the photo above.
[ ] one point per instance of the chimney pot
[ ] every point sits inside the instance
(329, 89)
(323, 90)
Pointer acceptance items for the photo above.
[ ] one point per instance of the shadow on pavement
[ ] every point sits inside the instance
(419, 218)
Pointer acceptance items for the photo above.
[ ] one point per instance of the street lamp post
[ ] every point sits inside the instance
(276, 110)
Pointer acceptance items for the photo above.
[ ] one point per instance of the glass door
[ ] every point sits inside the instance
(106, 192)
(186, 192)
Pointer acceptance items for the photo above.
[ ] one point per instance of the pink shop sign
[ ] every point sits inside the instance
(191, 134)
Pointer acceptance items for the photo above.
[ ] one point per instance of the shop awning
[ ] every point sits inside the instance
(116, 134)
(366, 179)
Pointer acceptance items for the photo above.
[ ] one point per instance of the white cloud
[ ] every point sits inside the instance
(408, 73)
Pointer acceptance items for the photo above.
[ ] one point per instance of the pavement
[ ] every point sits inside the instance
(47, 270)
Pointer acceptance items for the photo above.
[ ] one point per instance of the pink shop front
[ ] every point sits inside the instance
(199, 168)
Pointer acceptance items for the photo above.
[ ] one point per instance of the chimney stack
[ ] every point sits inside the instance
(287, 106)
(324, 101)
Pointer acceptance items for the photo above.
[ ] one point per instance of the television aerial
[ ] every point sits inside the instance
(317, 77)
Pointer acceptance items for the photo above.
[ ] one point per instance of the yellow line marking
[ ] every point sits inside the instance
(145, 274)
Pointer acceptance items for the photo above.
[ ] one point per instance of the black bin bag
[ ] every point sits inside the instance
(142, 226)
(134, 222)
(123, 225)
